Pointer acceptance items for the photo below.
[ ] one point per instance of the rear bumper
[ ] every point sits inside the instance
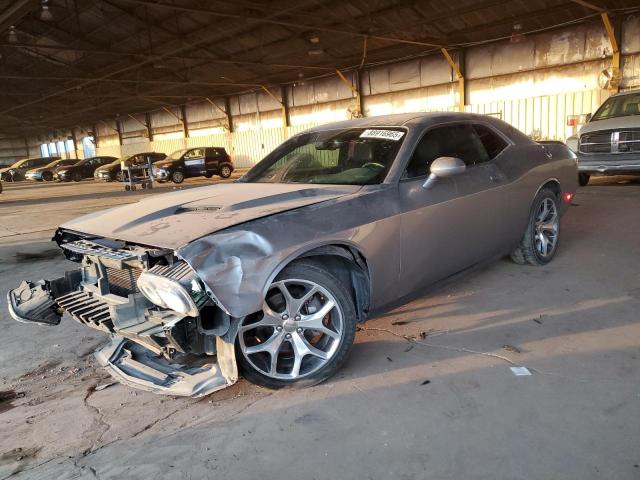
(608, 164)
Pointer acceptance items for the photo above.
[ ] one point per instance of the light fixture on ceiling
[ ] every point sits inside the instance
(13, 34)
(315, 39)
(45, 13)
(315, 51)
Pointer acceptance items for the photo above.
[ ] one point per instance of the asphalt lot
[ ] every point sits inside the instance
(444, 405)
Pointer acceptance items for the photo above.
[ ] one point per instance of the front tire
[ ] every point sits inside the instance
(77, 177)
(177, 176)
(583, 179)
(540, 241)
(47, 176)
(303, 333)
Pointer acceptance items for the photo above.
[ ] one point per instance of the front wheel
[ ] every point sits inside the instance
(47, 176)
(77, 177)
(583, 179)
(303, 333)
(177, 177)
(540, 241)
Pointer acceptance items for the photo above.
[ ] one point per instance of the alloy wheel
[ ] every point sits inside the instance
(298, 331)
(547, 224)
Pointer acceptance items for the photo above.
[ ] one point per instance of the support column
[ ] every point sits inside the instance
(185, 125)
(119, 130)
(457, 69)
(227, 109)
(614, 83)
(283, 108)
(26, 146)
(354, 90)
(284, 93)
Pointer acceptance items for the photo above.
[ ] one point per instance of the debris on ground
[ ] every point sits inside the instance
(401, 322)
(103, 386)
(520, 371)
(389, 358)
(511, 348)
(426, 382)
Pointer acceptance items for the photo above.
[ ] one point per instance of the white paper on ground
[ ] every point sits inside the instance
(520, 371)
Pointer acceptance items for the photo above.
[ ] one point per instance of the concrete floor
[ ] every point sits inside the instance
(447, 407)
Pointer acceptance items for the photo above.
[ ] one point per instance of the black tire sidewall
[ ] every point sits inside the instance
(531, 229)
(308, 270)
(226, 169)
(177, 176)
(583, 179)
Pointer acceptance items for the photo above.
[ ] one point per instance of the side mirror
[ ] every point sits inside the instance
(444, 167)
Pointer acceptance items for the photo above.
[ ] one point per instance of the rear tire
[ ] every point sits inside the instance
(225, 171)
(177, 176)
(310, 338)
(77, 177)
(583, 179)
(47, 176)
(540, 241)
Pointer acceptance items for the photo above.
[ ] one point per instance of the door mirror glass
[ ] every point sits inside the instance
(444, 167)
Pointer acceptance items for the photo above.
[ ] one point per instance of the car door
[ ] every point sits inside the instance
(450, 226)
(212, 160)
(194, 162)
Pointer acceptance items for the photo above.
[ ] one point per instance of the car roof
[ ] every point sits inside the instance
(627, 92)
(402, 119)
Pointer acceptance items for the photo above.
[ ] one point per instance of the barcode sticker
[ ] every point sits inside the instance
(383, 134)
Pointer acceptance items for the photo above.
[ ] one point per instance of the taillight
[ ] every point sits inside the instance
(567, 197)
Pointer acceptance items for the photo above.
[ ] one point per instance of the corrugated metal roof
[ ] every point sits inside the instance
(79, 61)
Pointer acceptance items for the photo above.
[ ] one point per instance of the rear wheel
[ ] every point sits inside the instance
(583, 179)
(177, 176)
(303, 333)
(225, 171)
(47, 176)
(540, 241)
(77, 177)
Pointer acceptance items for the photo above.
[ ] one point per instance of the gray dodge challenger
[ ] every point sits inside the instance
(270, 275)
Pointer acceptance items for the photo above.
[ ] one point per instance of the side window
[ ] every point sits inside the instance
(195, 153)
(460, 141)
(493, 143)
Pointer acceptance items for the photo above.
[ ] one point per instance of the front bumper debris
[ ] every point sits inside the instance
(138, 367)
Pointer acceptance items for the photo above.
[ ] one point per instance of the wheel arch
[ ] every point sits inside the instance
(552, 184)
(343, 260)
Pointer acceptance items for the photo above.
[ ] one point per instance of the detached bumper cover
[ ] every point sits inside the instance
(137, 367)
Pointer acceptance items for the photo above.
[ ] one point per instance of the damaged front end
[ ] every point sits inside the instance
(169, 336)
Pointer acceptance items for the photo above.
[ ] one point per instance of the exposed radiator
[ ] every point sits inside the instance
(85, 308)
(123, 282)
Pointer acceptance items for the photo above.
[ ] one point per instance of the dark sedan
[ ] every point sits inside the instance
(113, 171)
(82, 169)
(269, 276)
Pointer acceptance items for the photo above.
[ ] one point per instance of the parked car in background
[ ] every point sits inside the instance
(609, 143)
(194, 162)
(47, 172)
(82, 169)
(270, 276)
(16, 172)
(113, 171)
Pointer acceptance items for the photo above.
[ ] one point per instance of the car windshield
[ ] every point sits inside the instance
(177, 154)
(620, 106)
(357, 156)
(56, 163)
(19, 163)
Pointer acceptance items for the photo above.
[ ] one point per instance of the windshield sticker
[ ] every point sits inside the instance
(383, 134)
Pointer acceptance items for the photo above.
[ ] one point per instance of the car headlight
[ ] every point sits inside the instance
(61, 172)
(171, 294)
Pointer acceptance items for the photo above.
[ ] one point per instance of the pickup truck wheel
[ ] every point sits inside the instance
(583, 179)
(225, 171)
(540, 241)
(177, 176)
(303, 333)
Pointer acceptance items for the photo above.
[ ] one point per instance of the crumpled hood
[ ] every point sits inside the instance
(5, 169)
(630, 121)
(175, 219)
